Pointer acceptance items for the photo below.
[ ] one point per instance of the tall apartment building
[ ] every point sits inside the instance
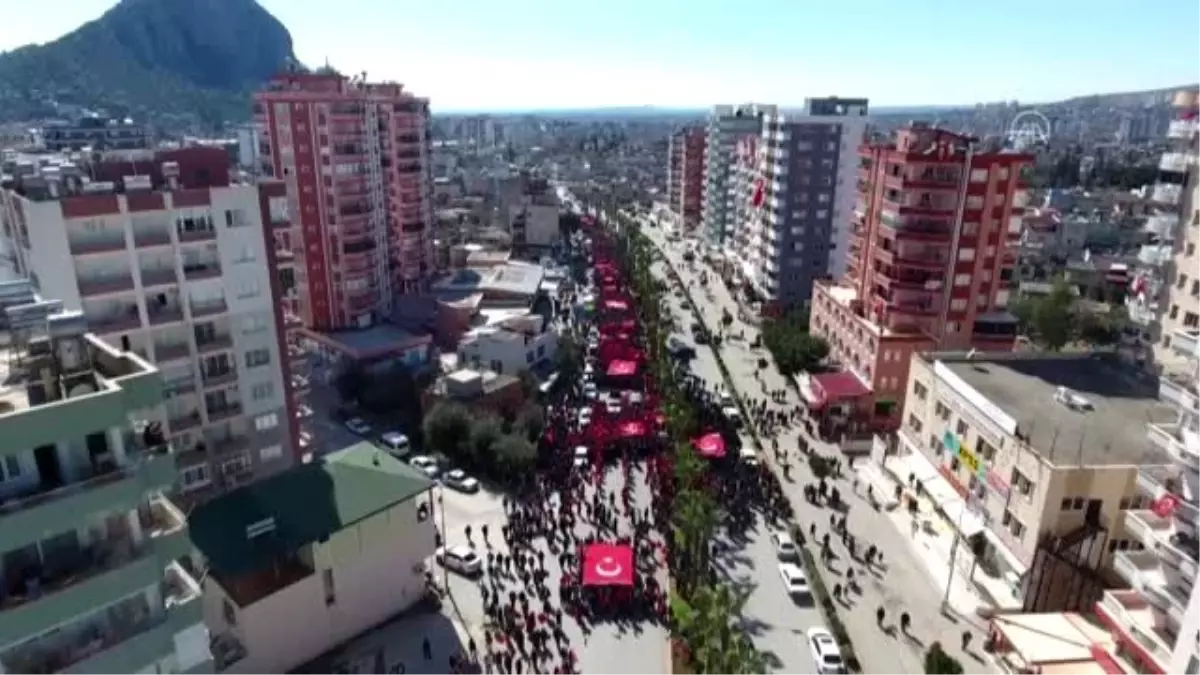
(169, 258)
(793, 192)
(89, 578)
(931, 256)
(1177, 196)
(726, 125)
(685, 174)
(94, 131)
(355, 157)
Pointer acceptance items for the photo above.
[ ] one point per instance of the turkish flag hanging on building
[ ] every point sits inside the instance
(1164, 506)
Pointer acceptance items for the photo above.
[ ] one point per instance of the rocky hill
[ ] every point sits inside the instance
(174, 61)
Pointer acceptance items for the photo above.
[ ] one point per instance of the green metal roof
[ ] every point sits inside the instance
(307, 504)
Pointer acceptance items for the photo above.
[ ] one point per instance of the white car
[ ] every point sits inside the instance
(589, 390)
(727, 400)
(585, 416)
(825, 651)
(359, 426)
(794, 580)
(425, 465)
(732, 414)
(613, 408)
(396, 443)
(458, 479)
(749, 456)
(581, 456)
(785, 548)
(460, 559)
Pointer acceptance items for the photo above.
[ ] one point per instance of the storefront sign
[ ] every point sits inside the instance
(969, 460)
(998, 484)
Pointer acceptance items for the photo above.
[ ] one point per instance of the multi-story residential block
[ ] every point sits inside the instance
(169, 258)
(89, 546)
(685, 174)
(1174, 246)
(726, 125)
(302, 562)
(1034, 460)
(933, 241)
(793, 193)
(509, 346)
(355, 157)
(94, 131)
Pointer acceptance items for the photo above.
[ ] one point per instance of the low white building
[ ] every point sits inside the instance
(509, 346)
(303, 561)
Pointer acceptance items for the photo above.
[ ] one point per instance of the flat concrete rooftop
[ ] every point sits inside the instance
(1112, 433)
(379, 337)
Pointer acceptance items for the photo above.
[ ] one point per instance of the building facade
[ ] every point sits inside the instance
(96, 132)
(685, 174)
(351, 533)
(89, 546)
(1178, 198)
(355, 157)
(509, 347)
(933, 240)
(169, 259)
(792, 188)
(726, 125)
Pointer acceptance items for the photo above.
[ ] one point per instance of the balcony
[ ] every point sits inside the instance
(184, 422)
(1182, 129)
(1161, 225)
(1130, 615)
(1166, 193)
(149, 238)
(159, 276)
(224, 412)
(1160, 585)
(1149, 528)
(161, 315)
(208, 308)
(228, 444)
(174, 351)
(194, 271)
(166, 527)
(1178, 442)
(918, 230)
(115, 323)
(1179, 389)
(214, 343)
(1155, 255)
(96, 286)
(41, 597)
(105, 487)
(197, 235)
(219, 377)
(91, 245)
(1184, 343)
(1176, 162)
(179, 386)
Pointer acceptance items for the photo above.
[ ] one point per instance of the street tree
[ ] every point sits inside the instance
(1053, 318)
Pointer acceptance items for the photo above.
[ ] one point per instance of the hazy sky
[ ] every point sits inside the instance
(522, 54)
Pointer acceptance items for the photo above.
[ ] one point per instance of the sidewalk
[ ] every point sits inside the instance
(904, 584)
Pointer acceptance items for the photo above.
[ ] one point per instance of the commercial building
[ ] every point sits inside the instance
(355, 157)
(932, 248)
(685, 173)
(1035, 462)
(94, 131)
(89, 547)
(303, 561)
(726, 125)
(793, 193)
(167, 256)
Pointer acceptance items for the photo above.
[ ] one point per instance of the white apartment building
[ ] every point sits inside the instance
(509, 346)
(169, 260)
(726, 125)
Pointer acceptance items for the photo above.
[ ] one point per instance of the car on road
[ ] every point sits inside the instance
(785, 548)
(461, 559)
(585, 416)
(396, 444)
(589, 390)
(581, 456)
(458, 480)
(825, 651)
(358, 426)
(748, 456)
(426, 465)
(794, 580)
(680, 349)
(733, 415)
(727, 400)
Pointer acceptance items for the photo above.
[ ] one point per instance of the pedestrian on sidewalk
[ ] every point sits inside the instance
(879, 615)
(905, 622)
(966, 641)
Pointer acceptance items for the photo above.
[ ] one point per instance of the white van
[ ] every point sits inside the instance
(396, 444)
(748, 455)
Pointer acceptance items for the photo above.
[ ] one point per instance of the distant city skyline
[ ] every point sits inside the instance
(478, 55)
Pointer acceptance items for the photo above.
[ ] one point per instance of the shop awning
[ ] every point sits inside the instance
(825, 388)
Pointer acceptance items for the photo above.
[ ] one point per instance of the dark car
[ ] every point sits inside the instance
(680, 349)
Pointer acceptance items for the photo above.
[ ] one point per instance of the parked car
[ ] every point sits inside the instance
(581, 456)
(426, 465)
(396, 444)
(794, 580)
(458, 479)
(785, 548)
(358, 426)
(825, 651)
(460, 559)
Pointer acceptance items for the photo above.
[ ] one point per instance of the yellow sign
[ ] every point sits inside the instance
(969, 460)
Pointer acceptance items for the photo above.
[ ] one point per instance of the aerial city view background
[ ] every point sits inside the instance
(630, 337)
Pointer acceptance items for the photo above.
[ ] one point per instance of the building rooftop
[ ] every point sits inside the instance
(249, 528)
(513, 278)
(377, 339)
(1111, 433)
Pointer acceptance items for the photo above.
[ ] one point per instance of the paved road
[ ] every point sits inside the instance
(776, 623)
(904, 584)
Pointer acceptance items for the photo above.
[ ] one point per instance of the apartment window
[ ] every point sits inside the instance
(823, 198)
(248, 288)
(257, 357)
(1195, 288)
(962, 280)
(979, 175)
(1181, 281)
(920, 390)
(941, 411)
(270, 453)
(958, 304)
(245, 255)
(822, 213)
(1174, 311)
(541, 351)
(914, 423)
(327, 584)
(1022, 484)
(235, 218)
(262, 391)
(1191, 320)
(193, 477)
(10, 469)
(529, 357)
(986, 450)
(253, 324)
(235, 465)
(266, 422)
(975, 202)
(966, 254)
(962, 429)
(230, 613)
